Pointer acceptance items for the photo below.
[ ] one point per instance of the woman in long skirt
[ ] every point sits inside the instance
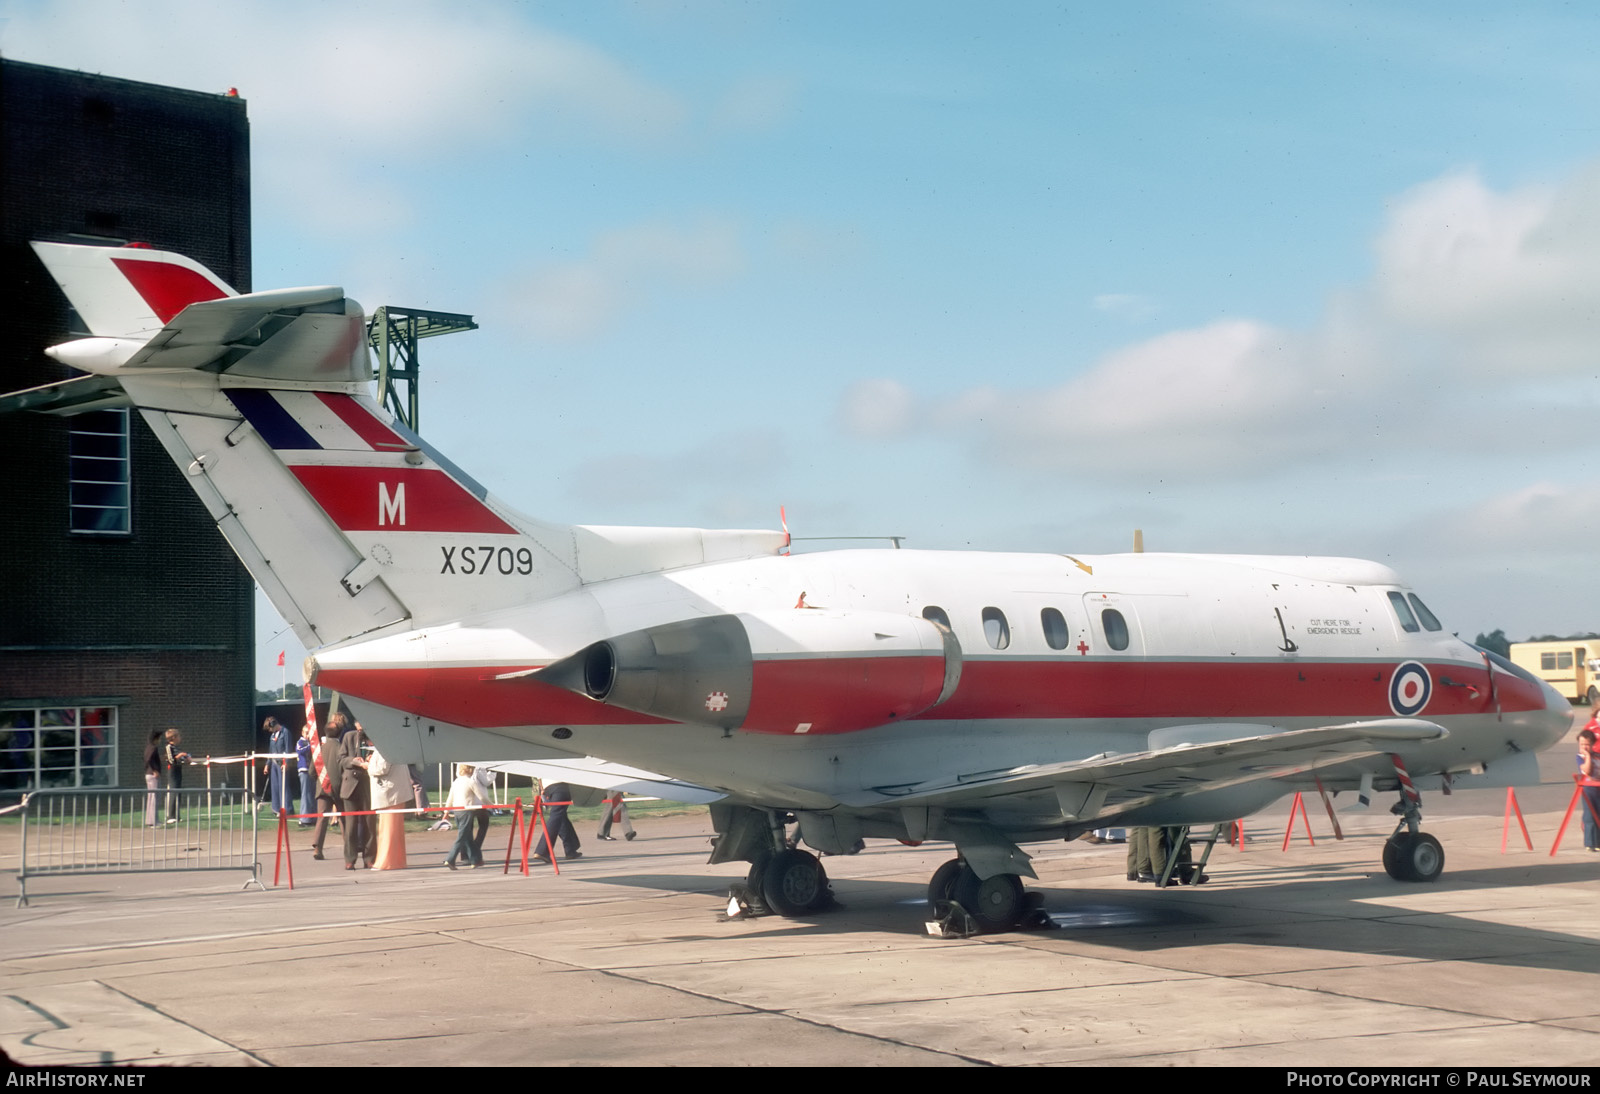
(391, 789)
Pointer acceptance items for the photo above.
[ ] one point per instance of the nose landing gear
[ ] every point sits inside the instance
(1411, 854)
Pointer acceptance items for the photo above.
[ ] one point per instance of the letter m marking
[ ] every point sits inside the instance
(391, 510)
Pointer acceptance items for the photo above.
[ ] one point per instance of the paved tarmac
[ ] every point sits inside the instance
(1309, 957)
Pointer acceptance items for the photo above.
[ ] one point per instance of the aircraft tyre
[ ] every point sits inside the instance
(943, 884)
(793, 883)
(995, 903)
(1392, 855)
(1413, 857)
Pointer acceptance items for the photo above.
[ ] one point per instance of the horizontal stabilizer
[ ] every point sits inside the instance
(604, 775)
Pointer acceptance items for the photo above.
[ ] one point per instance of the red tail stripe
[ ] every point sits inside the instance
(359, 419)
(167, 287)
(400, 499)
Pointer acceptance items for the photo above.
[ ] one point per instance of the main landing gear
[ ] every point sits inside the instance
(792, 882)
(1411, 854)
(995, 903)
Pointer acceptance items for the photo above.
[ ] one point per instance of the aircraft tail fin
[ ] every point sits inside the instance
(350, 522)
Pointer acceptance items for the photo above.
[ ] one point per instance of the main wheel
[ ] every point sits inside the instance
(794, 883)
(943, 884)
(995, 903)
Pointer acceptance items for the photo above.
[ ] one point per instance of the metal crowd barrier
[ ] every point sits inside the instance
(77, 832)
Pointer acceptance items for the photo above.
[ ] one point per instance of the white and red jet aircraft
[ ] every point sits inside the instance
(984, 699)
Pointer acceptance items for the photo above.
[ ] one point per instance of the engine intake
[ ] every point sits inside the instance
(795, 671)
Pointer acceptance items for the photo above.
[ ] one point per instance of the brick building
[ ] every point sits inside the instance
(122, 609)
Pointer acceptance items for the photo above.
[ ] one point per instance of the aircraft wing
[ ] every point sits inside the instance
(1206, 756)
(605, 775)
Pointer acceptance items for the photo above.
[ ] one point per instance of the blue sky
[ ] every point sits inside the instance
(1251, 276)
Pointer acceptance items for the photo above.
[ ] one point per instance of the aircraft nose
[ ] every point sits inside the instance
(1559, 711)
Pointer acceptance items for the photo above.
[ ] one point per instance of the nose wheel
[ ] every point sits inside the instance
(1411, 854)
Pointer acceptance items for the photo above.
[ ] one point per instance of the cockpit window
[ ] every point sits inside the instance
(996, 629)
(1055, 629)
(1408, 622)
(1116, 628)
(1429, 620)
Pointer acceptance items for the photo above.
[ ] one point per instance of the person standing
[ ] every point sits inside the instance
(1589, 781)
(391, 793)
(173, 759)
(277, 769)
(152, 777)
(466, 794)
(355, 796)
(328, 800)
(308, 790)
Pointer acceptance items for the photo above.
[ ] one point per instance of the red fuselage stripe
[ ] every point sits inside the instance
(810, 691)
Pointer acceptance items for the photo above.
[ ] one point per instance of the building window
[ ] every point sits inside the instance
(98, 476)
(42, 747)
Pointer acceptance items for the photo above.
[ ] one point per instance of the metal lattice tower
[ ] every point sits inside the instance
(393, 333)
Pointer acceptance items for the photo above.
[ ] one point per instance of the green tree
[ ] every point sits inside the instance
(1495, 642)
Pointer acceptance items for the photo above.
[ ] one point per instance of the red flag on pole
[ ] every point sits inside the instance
(280, 658)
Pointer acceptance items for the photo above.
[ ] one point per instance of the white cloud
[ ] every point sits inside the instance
(1513, 277)
(1542, 518)
(877, 409)
(1476, 295)
(576, 300)
(381, 87)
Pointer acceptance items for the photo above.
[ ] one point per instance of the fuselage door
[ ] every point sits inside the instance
(1113, 625)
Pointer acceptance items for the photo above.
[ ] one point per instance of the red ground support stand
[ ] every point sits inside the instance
(1505, 830)
(1577, 796)
(536, 819)
(283, 859)
(511, 842)
(1299, 806)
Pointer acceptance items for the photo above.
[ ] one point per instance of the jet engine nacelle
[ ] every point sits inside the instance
(801, 670)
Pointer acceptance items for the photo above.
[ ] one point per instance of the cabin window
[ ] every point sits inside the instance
(1430, 622)
(1408, 622)
(1116, 628)
(935, 614)
(1055, 629)
(996, 629)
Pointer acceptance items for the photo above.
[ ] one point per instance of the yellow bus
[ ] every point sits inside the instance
(1570, 665)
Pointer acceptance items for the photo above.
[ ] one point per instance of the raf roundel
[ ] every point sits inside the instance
(1409, 689)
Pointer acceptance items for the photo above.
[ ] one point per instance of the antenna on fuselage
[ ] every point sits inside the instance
(1138, 541)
